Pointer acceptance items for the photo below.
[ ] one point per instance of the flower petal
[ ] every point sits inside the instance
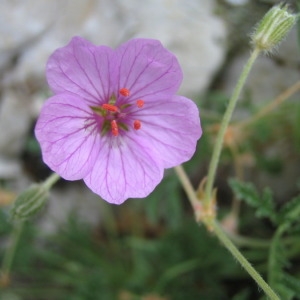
(146, 68)
(173, 127)
(124, 169)
(83, 69)
(66, 133)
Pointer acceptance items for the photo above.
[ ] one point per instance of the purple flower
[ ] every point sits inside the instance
(114, 120)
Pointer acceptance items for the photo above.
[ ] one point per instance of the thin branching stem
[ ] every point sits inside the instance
(243, 261)
(223, 127)
(272, 105)
(216, 228)
(10, 253)
(15, 237)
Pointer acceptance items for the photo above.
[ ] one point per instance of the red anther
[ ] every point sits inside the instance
(140, 103)
(110, 107)
(124, 92)
(137, 124)
(114, 128)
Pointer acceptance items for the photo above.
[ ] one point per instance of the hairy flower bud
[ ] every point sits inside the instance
(273, 28)
(29, 202)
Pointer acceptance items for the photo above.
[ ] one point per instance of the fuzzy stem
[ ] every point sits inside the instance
(226, 119)
(10, 253)
(214, 226)
(52, 179)
(17, 231)
(187, 185)
(272, 105)
(243, 261)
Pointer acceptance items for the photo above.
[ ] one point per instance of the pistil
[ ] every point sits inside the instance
(114, 128)
(110, 107)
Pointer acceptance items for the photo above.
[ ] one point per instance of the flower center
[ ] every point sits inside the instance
(114, 117)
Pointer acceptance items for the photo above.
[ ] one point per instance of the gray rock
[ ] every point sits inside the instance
(9, 168)
(190, 30)
(15, 120)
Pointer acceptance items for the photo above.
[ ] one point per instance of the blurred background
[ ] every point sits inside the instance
(79, 247)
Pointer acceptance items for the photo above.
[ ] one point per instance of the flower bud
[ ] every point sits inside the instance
(273, 28)
(29, 202)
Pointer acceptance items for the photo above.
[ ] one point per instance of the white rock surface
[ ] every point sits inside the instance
(189, 29)
(237, 2)
(15, 118)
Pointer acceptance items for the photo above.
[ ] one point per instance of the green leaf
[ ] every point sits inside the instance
(285, 284)
(290, 212)
(284, 292)
(263, 204)
(292, 283)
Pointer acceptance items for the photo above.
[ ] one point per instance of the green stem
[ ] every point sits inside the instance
(17, 231)
(226, 119)
(187, 185)
(224, 239)
(52, 179)
(10, 251)
(244, 262)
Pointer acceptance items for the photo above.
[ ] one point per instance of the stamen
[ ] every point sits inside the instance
(124, 92)
(114, 128)
(137, 124)
(140, 103)
(110, 107)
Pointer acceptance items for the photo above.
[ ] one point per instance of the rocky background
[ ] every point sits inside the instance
(210, 38)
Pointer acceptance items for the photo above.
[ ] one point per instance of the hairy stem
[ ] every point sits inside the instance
(187, 185)
(51, 180)
(244, 262)
(272, 105)
(224, 124)
(15, 236)
(10, 253)
(215, 227)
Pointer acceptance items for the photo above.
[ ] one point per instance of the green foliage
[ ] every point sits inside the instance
(264, 203)
(289, 213)
(5, 224)
(287, 222)
(285, 284)
(80, 263)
